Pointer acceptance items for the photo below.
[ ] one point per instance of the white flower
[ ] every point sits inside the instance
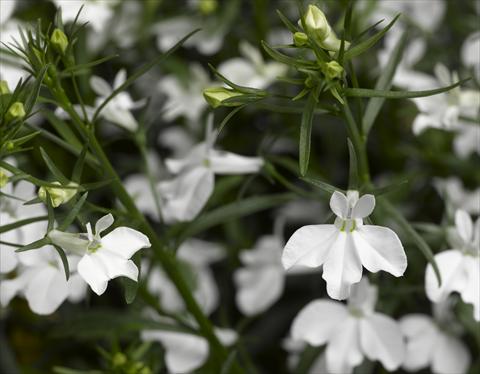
(260, 283)
(295, 349)
(195, 256)
(138, 187)
(185, 98)
(351, 332)
(40, 278)
(342, 248)
(434, 343)
(459, 267)
(452, 190)
(470, 52)
(118, 109)
(184, 196)
(251, 70)
(186, 352)
(104, 258)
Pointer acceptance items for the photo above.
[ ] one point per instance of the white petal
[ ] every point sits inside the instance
(226, 336)
(381, 339)
(125, 242)
(9, 288)
(93, 273)
(309, 246)
(454, 277)
(258, 288)
(364, 206)
(8, 257)
(464, 225)
(200, 252)
(421, 338)
(115, 265)
(103, 223)
(317, 321)
(206, 292)
(223, 162)
(342, 267)
(77, 288)
(120, 78)
(380, 248)
(46, 290)
(339, 204)
(450, 356)
(471, 292)
(100, 86)
(68, 241)
(196, 156)
(343, 351)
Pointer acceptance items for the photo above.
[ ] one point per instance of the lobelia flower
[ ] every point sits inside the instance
(184, 196)
(453, 191)
(434, 342)
(460, 266)
(118, 110)
(351, 332)
(40, 278)
(251, 70)
(103, 258)
(470, 53)
(342, 248)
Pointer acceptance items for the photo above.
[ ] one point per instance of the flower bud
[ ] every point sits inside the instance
(207, 7)
(4, 88)
(216, 95)
(332, 69)
(316, 23)
(59, 41)
(300, 39)
(58, 195)
(119, 359)
(16, 111)
(3, 178)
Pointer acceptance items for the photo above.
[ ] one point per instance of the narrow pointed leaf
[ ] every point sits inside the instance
(305, 135)
(289, 25)
(35, 245)
(280, 57)
(228, 82)
(353, 172)
(53, 168)
(73, 213)
(20, 223)
(79, 164)
(64, 259)
(328, 188)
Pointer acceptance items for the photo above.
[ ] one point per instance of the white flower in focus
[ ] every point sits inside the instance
(342, 248)
(459, 267)
(104, 258)
(118, 110)
(185, 98)
(452, 190)
(184, 196)
(251, 70)
(40, 278)
(434, 343)
(194, 256)
(351, 332)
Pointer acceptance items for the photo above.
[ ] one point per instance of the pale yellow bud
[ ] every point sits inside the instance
(216, 96)
(316, 23)
(16, 111)
(332, 69)
(59, 40)
(4, 88)
(58, 195)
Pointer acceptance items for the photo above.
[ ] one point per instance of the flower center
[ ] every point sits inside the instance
(94, 246)
(346, 225)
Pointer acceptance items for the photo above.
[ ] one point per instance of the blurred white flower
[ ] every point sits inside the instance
(342, 248)
(452, 190)
(295, 349)
(351, 332)
(459, 267)
(470, 52)
(434, 343)
(184, 196)
(251, 70)
(104, 258)
(194, 257)
(185, 97)
(118, 110)
(40, 278)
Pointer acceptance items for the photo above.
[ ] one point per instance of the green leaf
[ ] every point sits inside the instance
(246, 90)
(388, 189)
(353, 172)
(62, 129)
(144, 69)
(73, 213)
(384, 82)
(24, 139)
(53, 168)
(78, 167)
(228, 117)
(409, 230)
(289, 25)
(85, 67)
(284, 59)
(305, 135)
(35, 245)
(64, 259)
(130, 286)
(365, 92)
(51, 213)
(369, 43)
(35, 90)
(20, 223)
(328, 188)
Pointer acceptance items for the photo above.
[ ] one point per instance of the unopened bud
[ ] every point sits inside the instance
(207, 7)
(332, 69)
(58, 195)
(300, 39)
(3, 178)
(59, 41)
(119, 359)
(316, 23)
(16, 111)
(4, 88)
(216, 96)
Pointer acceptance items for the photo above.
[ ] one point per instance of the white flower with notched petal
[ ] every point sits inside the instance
(342, 248)
(40, 278)
(459, 267)
(434, 342)
(351, 332)
(453, 191)
(118, 110)
(104, 258)
(184, 196)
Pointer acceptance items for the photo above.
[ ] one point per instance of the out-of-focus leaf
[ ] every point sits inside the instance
(289, 25)
(305, 135)
(353, 172)
(73, 213)
(53, 168)
(20, 223)
(284, 59)
(322, 185)
(243, 89)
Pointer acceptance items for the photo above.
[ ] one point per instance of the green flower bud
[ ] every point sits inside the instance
(16, 111)
(309, 82)
(300, 39)
(216, 95)
(3, 178)
(316, 23)
(119, 359)
(58, 195)
(332, 69)
(4, 88)
(59, 41)
(207, 7)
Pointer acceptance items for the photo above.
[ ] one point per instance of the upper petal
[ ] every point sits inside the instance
(317, 321)
(364, 206)
(100, 86)
(309, 246)
(380, 248)
(125, 241)
(450, 356)
(103, 223)
(464, 225)
(381, 339)
(339, 204)
(223, 162)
